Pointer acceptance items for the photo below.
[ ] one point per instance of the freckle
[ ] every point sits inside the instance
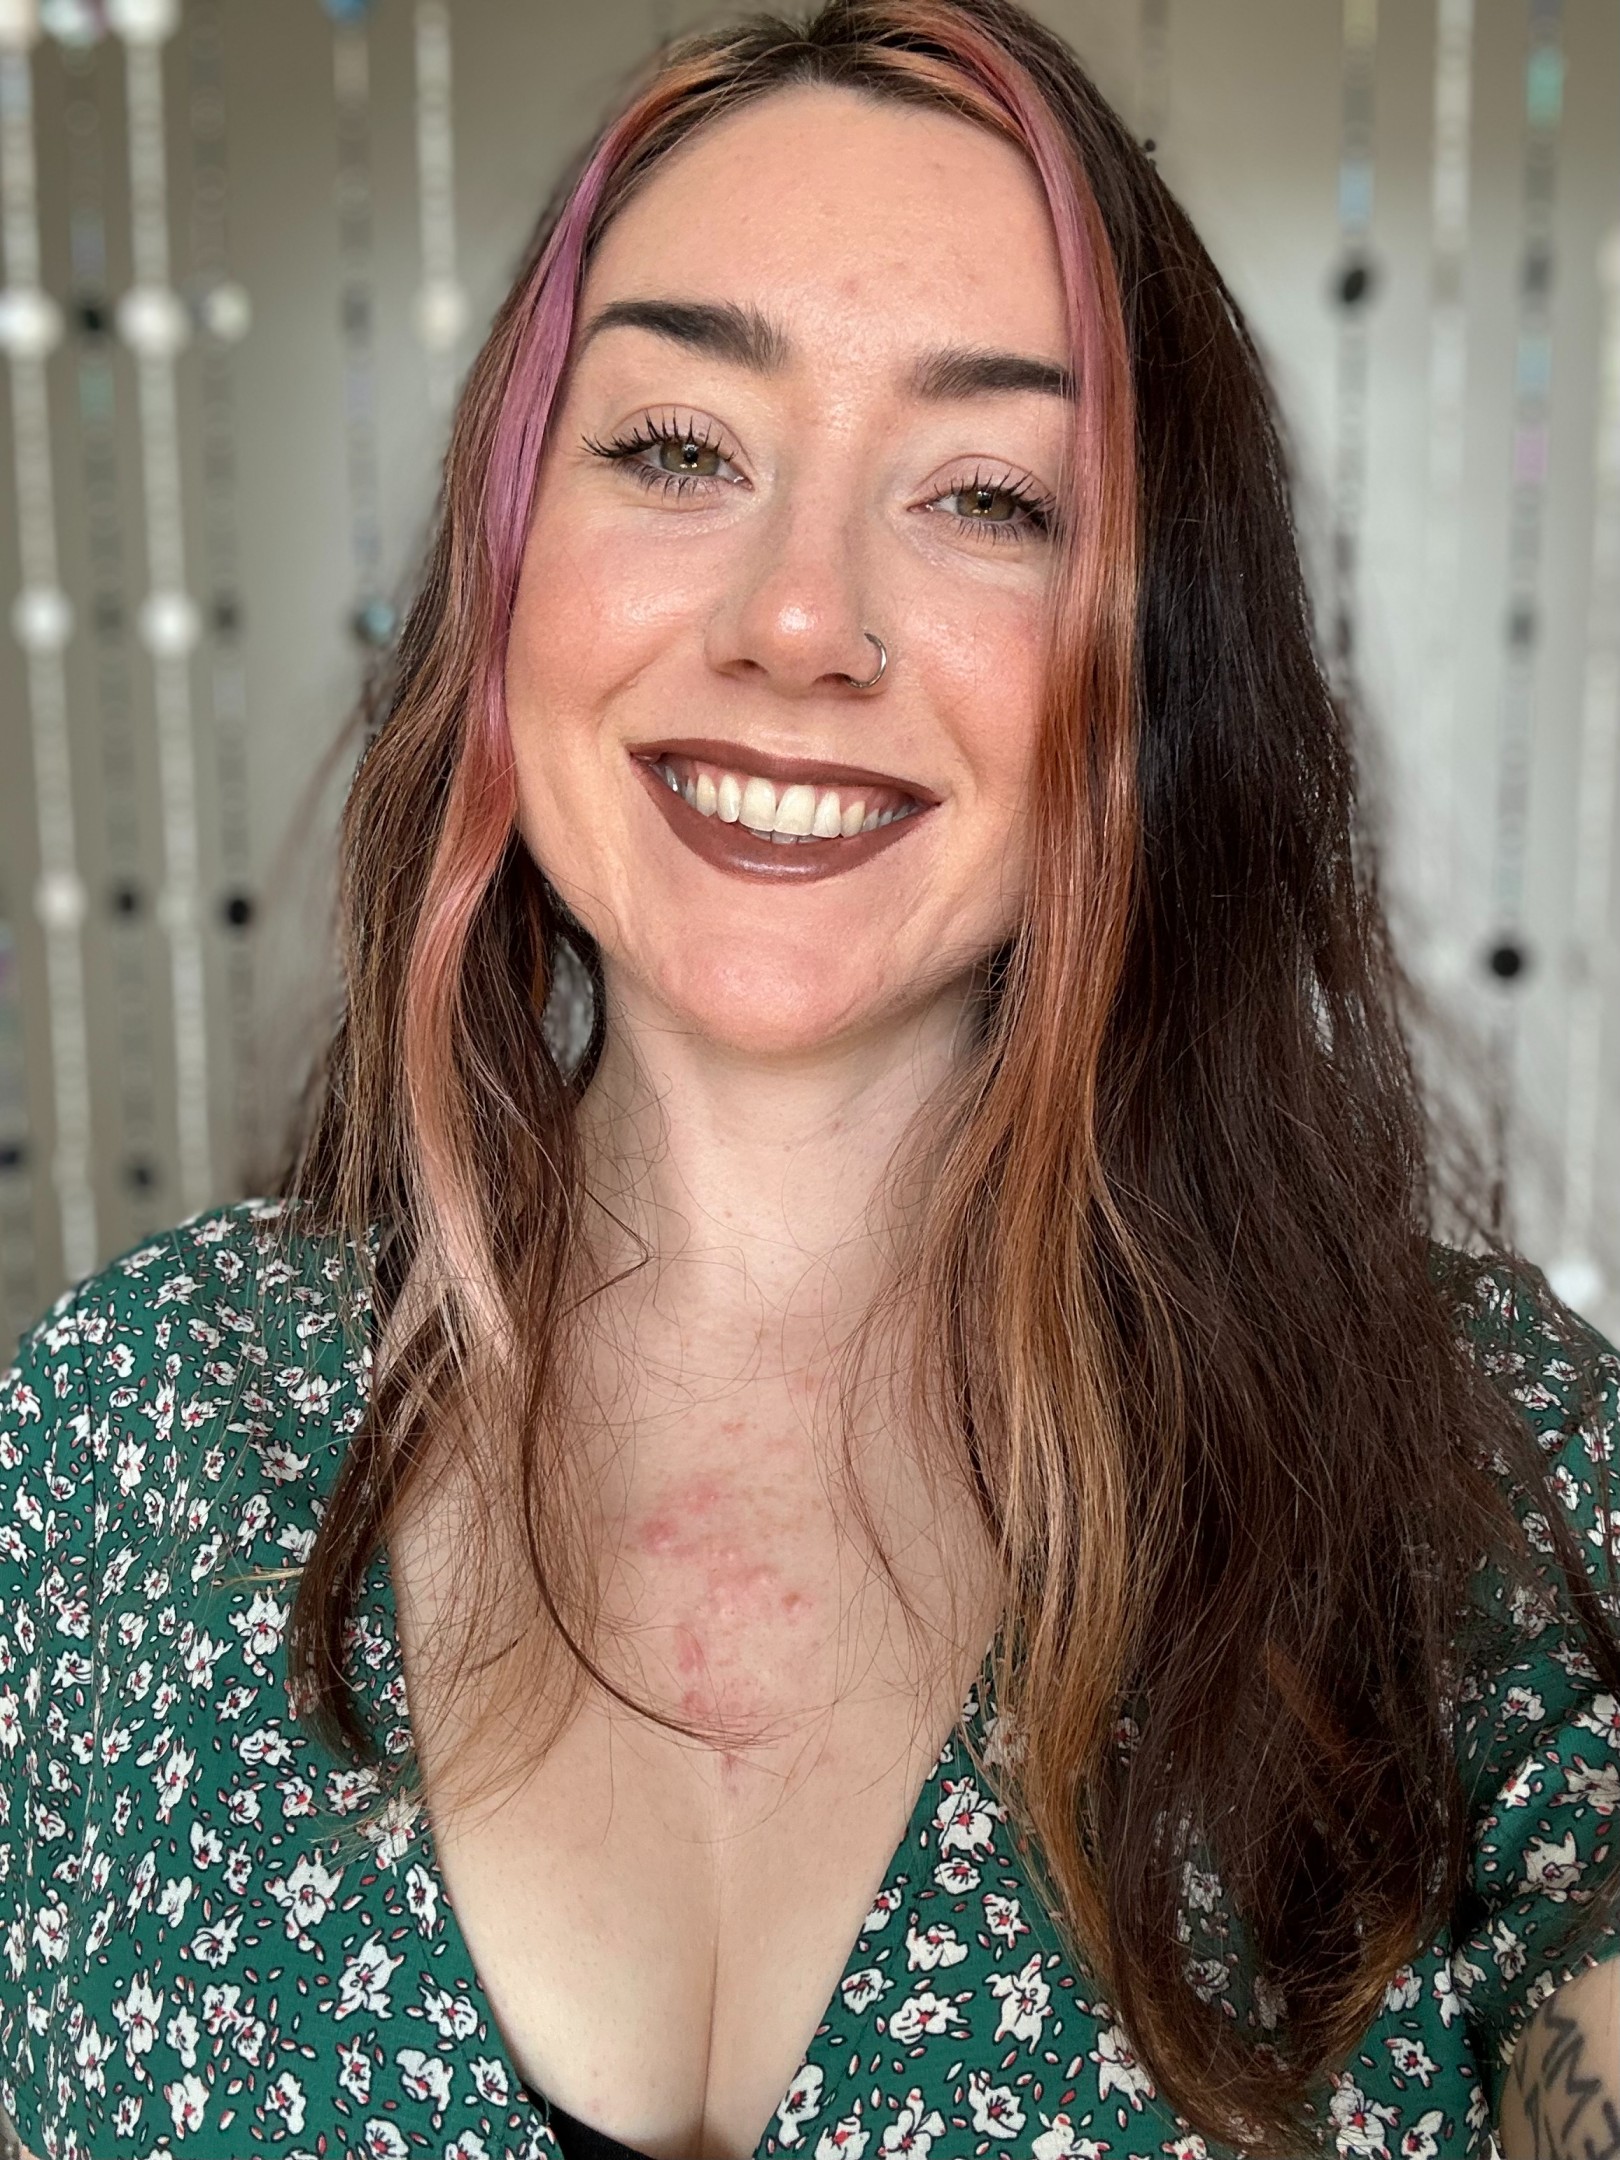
(792, 1601)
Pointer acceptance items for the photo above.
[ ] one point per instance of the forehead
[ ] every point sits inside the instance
(849, 217)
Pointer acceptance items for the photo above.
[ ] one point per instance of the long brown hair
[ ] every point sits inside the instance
(1176, 1304)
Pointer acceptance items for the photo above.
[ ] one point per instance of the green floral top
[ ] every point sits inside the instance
(216, 1939)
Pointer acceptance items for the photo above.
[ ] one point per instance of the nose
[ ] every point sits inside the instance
(801, 597)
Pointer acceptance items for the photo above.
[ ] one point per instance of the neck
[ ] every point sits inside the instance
(760, 1185)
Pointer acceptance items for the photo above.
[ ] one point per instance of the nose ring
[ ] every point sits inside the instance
(883, 661)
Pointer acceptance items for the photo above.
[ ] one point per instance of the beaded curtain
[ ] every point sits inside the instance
(246, 253)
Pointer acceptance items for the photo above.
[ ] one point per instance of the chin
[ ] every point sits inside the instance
(772, 1012)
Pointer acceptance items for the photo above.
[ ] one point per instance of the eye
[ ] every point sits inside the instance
(686, 457)
(1023, 514)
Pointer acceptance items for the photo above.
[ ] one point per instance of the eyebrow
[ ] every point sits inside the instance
(746, 338)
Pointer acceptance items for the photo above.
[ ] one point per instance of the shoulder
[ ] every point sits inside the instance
(230, 1339)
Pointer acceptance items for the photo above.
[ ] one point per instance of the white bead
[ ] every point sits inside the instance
(71, 22)
(170, 624)
(60, 900)
(152, 321)
(41, 618)
(143, 22)
(1578, 1280)
(19, 24)
(226, 312)
(30, 320)
(441, 314)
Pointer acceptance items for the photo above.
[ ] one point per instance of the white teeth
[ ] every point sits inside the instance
(798, 812)
(758, 804)
(795, 810)
(826, 824)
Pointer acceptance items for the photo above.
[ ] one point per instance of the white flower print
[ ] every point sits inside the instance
(188, 2104)
(1003, 1919)
(170, 1780)
(51, 1930)
(363, 1984)
(1507, 1948)
(451, 2016)
(181, 2034)
(1551, 1867)
(215, 1944)
(938, 1944)
(914, 2128)
(845, 2139)
(207, 1846)
(469, 2146)
(861, 1989)
(126, 2115)
(285, 2097)
(1594, 1785)
(354, 2069)
(1411, 2058)
(1404, 1990)
(884, 1907)
(1061, 2141)
(424, 2077)
(1360, 2125)
(490, 2081)
(261, 1627)
(383, 2141)
(1118, 2069)
(306, 1894)
(173, 1899)
(924, 2012)
(422, 1898)
(956, 1876)
(1422, 2140)
(996, 2109)
(137, 2015)
(90, 2052)
(801, 2101)
(966, 1820)
(1024, 1999)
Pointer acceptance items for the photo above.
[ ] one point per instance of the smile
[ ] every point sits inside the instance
(804, 824)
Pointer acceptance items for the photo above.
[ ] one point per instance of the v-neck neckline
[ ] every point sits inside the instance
(387, 1687)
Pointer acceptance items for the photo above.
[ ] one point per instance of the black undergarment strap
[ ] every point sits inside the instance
(580, 2142)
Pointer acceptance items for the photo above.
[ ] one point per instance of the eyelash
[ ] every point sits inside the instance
(1036, 513)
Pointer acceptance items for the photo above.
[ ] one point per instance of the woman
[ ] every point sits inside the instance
(940, 1427)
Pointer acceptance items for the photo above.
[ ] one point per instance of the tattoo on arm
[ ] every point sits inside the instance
(1562, 2096)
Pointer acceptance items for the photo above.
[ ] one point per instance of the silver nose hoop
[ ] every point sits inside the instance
(883, 661)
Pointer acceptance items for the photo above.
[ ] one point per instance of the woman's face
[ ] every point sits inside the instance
(801, 462)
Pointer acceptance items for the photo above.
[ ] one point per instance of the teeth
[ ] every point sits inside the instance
(827, 824)
(799, 812)
(795, 811)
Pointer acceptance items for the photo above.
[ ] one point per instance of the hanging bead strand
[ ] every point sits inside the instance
(1580, 1273)
(1354, 292)
(42, 622)
(1449, 212)
(1507, 955)
(153, 322)
(441, 305)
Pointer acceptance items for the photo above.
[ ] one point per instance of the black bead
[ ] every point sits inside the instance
(13, 1154)
(126, 900)
(1522, 626)
(227, 613)
(1356, 281)
(237, 910)
(1508, 960)
(91, 316)
(139, 1176)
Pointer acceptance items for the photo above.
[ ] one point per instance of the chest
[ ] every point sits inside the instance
(659, 1922)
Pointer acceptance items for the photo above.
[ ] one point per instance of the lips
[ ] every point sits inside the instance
(785, 770)
(737, 849)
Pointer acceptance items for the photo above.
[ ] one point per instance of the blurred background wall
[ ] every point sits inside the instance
(248, 250)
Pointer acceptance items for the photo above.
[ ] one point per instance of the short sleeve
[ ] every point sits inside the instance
(1538, 1734)
(46, 1611)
